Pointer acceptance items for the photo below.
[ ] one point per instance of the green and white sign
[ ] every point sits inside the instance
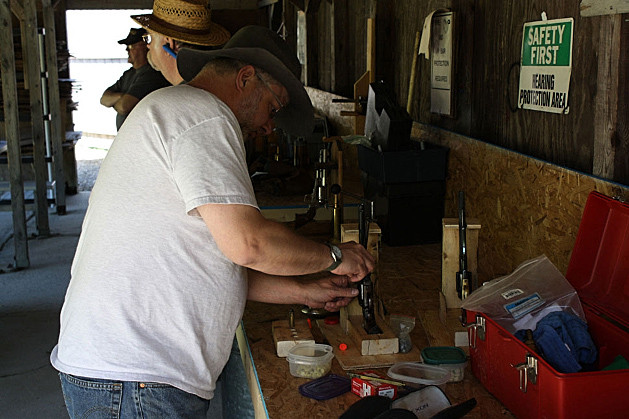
(545, 66)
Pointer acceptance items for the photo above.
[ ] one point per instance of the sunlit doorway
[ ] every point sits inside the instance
(97, 60)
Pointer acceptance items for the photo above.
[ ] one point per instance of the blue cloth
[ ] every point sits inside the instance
(563, 341)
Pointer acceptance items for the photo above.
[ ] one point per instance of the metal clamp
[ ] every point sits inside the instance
(527, 371)
(477, 330)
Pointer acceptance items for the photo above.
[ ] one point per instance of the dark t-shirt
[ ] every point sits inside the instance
(138, 83)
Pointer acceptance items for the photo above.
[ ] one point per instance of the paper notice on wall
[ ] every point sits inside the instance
(424, 43)
(546, 65)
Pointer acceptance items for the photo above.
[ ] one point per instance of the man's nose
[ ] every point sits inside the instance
(268, 127)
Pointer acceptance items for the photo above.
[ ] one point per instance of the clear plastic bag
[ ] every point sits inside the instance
(403, 326)
(522, 298)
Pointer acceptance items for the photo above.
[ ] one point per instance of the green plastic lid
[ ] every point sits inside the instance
(443, 355)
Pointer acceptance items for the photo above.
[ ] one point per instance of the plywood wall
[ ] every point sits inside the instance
(527, 207)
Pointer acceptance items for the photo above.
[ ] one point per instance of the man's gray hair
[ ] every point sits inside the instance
(224, 66)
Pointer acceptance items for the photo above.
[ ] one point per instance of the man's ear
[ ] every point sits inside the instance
(245, 75)
(171, 43)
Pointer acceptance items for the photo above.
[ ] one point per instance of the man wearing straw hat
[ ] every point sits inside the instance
(175, 24)
(173, 242)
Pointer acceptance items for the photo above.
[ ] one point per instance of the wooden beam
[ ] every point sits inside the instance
(17, 9)
(300, 4)
(12, 132)
(606, 100)
(112, 4)
(56, 132)
(32, 70)
(371, 49)
(603, 7)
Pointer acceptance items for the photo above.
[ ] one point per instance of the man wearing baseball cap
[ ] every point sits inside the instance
(177, 24)
(136, 82)
(174, 243)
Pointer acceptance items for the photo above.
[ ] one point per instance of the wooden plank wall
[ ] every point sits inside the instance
(488, 37)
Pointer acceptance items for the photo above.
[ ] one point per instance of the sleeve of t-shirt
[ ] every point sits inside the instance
(209, 165)
(118, 86)
(145, 83)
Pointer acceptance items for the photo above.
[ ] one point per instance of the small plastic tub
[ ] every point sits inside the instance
(310, 360)
(448, 357)
(418, 373)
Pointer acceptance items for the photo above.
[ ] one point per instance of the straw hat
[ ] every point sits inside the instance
(184, 20)
(262, 48)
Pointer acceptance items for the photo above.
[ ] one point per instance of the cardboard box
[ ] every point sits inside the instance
(363, 387)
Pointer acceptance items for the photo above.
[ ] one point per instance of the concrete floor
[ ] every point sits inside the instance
(30, 302)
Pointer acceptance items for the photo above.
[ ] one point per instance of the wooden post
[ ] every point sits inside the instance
(606, 103)
(450, 257)
(12, 131)
(371, 49)
(57, 134)
(33, 73)
(411, 83)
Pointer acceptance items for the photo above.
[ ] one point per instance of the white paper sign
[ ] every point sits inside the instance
(441, 64)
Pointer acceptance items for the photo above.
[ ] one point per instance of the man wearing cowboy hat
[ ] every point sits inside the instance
(175, 24)
(173, 242)
(136, 82)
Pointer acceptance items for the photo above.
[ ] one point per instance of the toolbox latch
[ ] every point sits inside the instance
(527, 371)
(477, 330)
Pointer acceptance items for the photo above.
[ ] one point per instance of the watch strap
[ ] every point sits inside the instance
(337, 257)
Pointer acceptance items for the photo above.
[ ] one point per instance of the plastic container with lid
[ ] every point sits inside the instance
(448, 357)
(418, 373)
(310, 360)
(326, 387)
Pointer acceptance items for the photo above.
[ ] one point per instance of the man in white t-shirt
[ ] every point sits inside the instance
(173, 242)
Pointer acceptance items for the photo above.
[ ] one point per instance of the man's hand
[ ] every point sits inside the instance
(357, 261)
(331, 292)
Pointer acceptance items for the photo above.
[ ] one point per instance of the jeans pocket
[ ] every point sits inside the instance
(91, 398)
(164, 401)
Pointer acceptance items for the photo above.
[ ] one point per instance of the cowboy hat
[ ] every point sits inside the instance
(262, 48)
(184, 20)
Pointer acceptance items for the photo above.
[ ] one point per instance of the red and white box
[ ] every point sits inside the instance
(363, 387)
(599, 271)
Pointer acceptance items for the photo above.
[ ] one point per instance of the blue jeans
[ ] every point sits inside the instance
(92, 398)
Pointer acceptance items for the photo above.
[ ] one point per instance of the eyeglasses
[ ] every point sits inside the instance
(146, 38)
(273, 110)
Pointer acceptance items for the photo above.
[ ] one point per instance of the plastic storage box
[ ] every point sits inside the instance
(420, 162)
(521, 379)
(310, 360)
(448, 357)
(418, 373)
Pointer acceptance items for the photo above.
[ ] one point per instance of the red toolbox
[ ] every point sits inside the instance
(599, 271)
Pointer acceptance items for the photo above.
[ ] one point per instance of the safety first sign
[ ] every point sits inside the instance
(545, 65)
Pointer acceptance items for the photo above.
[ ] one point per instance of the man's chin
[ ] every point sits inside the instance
(148, 58)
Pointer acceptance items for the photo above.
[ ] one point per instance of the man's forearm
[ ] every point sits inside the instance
(109, 98)
(248, 239)
(273, 289)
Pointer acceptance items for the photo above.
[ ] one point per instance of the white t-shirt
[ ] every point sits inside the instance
(151, 297)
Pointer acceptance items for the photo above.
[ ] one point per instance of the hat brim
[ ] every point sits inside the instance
(296, 118)
(215, 36)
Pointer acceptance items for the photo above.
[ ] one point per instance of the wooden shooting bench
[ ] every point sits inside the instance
(409, 283)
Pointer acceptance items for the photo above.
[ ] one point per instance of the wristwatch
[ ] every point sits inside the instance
(337, 256)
